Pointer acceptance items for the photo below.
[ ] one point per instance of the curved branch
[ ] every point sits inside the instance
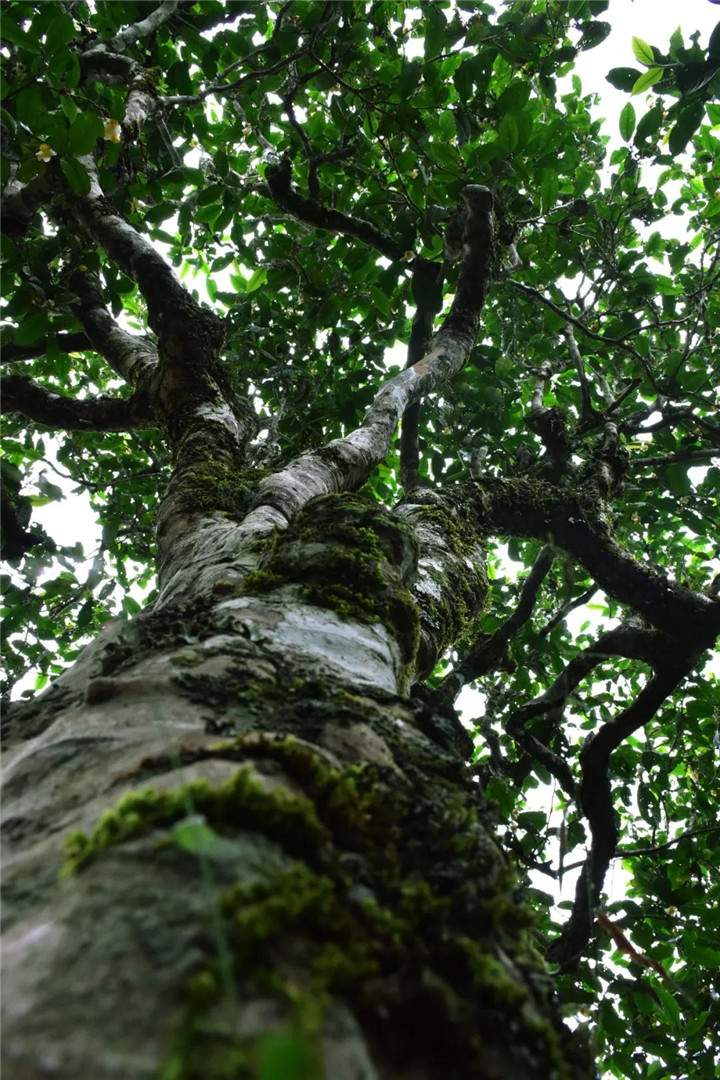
(576, 523)
(566, 609)
(23, 396)
(595, 800)
(427, 283)
(188, 333)
(279, 181)
(488, 650)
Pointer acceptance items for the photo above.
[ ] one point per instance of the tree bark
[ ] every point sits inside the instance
(230, 830)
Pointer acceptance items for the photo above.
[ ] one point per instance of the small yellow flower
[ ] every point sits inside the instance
(45, 153)
(408, 256)
(112, 131)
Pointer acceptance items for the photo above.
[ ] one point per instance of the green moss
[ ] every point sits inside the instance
(347, 553)
(391, 898)
(240, 801)
(218, 482)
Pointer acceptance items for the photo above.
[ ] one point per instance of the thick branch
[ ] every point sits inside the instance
(575, 523)
(131, 357)
(142, 29)
(188, 333)
(595, 799)
(682, 457)
(21, 395)
(345, 464)
(427, 284)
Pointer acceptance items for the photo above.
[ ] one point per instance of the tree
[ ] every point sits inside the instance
(248, 834)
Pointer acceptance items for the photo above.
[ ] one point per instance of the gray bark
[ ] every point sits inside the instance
(275, 841)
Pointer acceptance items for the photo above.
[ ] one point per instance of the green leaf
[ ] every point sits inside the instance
(643, 52)
(464, 79)
(11, 32)
(33, 328)
(649, 124)
(84, 133)
(627, 121)
(76, 176)
(508, 131)
(685, 127)
(594, 33)
(648, 78)
(60, 32)
(548, 189)
(623, 78)
(678, 479)
(513, 97)
(714, 43)
(30, 109)
(669, 1004)
(257, 278)
(435, 26)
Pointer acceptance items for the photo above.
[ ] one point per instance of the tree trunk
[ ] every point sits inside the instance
(239, 848)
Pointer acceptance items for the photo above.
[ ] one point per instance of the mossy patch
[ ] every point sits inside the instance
(347, 553)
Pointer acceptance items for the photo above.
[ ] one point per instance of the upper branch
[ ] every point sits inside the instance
(76, 342)
(595, 800)
(345, 464)
(131, 357)
(142, 29)
(487, 652)
(23, 396)
(279, 181)
(188, 333)
(427, 283)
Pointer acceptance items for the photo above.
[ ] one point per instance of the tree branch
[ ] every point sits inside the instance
(344, 464)
(576, 523)
(489, 650)
(131, 357)
(76, 342)
(682, 457)
(188, 333)
(566, 609)
(595, 800)
(618, 343)
(427, 285)
(586, 407)
(142, 29)
(23, 396)
(279, 181)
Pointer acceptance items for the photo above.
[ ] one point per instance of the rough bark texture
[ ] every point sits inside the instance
(349, 892)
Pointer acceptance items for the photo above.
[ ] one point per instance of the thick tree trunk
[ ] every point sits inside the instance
(233, 835)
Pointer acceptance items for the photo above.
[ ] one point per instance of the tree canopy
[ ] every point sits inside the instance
(309, 170)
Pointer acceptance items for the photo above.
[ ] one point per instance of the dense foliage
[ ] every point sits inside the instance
(601, 324)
